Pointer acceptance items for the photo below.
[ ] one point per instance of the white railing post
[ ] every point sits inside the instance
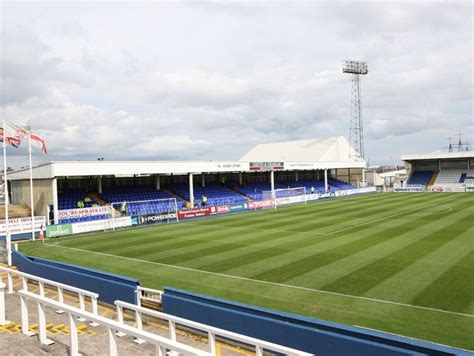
(10, 283)
(41, 288)
(60, 299)
(25, 328)
(43, 337)
(139, 321)
(74, 341)
(24, 282)
(172, 329)
(3, 321)
(95, 310)
(139, 296)
(82, 306)
(120, 319)
(112, 342)
(212, 343)
(258, 351)
(160, 350)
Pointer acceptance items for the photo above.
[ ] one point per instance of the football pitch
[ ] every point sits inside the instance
(396, 262)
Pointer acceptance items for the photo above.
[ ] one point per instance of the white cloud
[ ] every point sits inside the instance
(208, 81)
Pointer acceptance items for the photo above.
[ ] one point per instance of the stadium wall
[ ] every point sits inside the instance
(109, 286)
(43, 194)
(305, 334)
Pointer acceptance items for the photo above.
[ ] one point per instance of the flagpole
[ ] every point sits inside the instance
(31, 190)
(7, 232)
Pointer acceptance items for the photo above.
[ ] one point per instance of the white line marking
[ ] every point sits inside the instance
(270, 283)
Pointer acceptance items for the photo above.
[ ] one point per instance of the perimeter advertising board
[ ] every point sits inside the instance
(238, 206)
(202, 212)
(470, 188)
(87, 226)
(260, 204)
(58, 230)
(409, 189)
(290, 200)
(18, 226)
(448, 188)
(153, 218)
(83, 212)
(194, 213)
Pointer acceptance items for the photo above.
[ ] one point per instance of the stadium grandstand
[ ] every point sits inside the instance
(440, 171)
(318, 165)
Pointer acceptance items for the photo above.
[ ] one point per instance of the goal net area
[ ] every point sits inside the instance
(285, 196)
(147, 211)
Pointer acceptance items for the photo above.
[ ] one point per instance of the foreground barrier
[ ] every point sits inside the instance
(60, 288)
(211, 332)
(109, 286)
(307, 334)
(113, 327)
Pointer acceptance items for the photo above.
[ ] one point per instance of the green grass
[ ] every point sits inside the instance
(401, 263)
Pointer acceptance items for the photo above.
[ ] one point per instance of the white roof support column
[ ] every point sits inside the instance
(99, 185)
(325, 180)
(240, 178)
(191, 190)
(272, 183)
(296, 176)
(203, 181)
(157, 182)
(55, 200)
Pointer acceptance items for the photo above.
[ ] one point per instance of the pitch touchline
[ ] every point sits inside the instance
(267, 282)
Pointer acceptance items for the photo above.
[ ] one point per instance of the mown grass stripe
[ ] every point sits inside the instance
(363, 279)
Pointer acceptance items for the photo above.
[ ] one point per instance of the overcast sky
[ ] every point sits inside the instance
(208, 80)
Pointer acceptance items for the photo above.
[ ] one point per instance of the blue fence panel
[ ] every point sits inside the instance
(109, 286)
(305, 334)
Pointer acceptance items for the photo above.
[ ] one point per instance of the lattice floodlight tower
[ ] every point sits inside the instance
(356, 133)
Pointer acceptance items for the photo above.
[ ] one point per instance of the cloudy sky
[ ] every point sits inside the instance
(208, 80)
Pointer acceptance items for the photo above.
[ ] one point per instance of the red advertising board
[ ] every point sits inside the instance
(194, 213)
(200, 212)
(259, 204)
(220, 209)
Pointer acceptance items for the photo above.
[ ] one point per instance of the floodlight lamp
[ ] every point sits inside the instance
(355, 67)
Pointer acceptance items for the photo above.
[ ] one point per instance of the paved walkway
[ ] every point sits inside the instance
(92, 340)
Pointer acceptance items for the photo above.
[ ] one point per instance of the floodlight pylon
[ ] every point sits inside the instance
(356, 131)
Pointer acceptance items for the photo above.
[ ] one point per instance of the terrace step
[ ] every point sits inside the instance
(15, 211)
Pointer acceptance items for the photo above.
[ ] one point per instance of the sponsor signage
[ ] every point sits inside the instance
(266, 166)
(448, 188)
(290, 200)
(222, 209)
(22, 225)
(260, 204)
(201, 212)
(58, 230)
(151, 219)
(194, 213)
(80, 213)
(326, 195)
(88, 226)
(470, 188)
(408, 189)
(238, 206)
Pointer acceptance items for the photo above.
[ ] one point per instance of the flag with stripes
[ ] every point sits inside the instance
(10, 140)
(39, 142)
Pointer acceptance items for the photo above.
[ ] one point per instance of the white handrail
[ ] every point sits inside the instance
(161, 343)
(211, 331)
(60, 287)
